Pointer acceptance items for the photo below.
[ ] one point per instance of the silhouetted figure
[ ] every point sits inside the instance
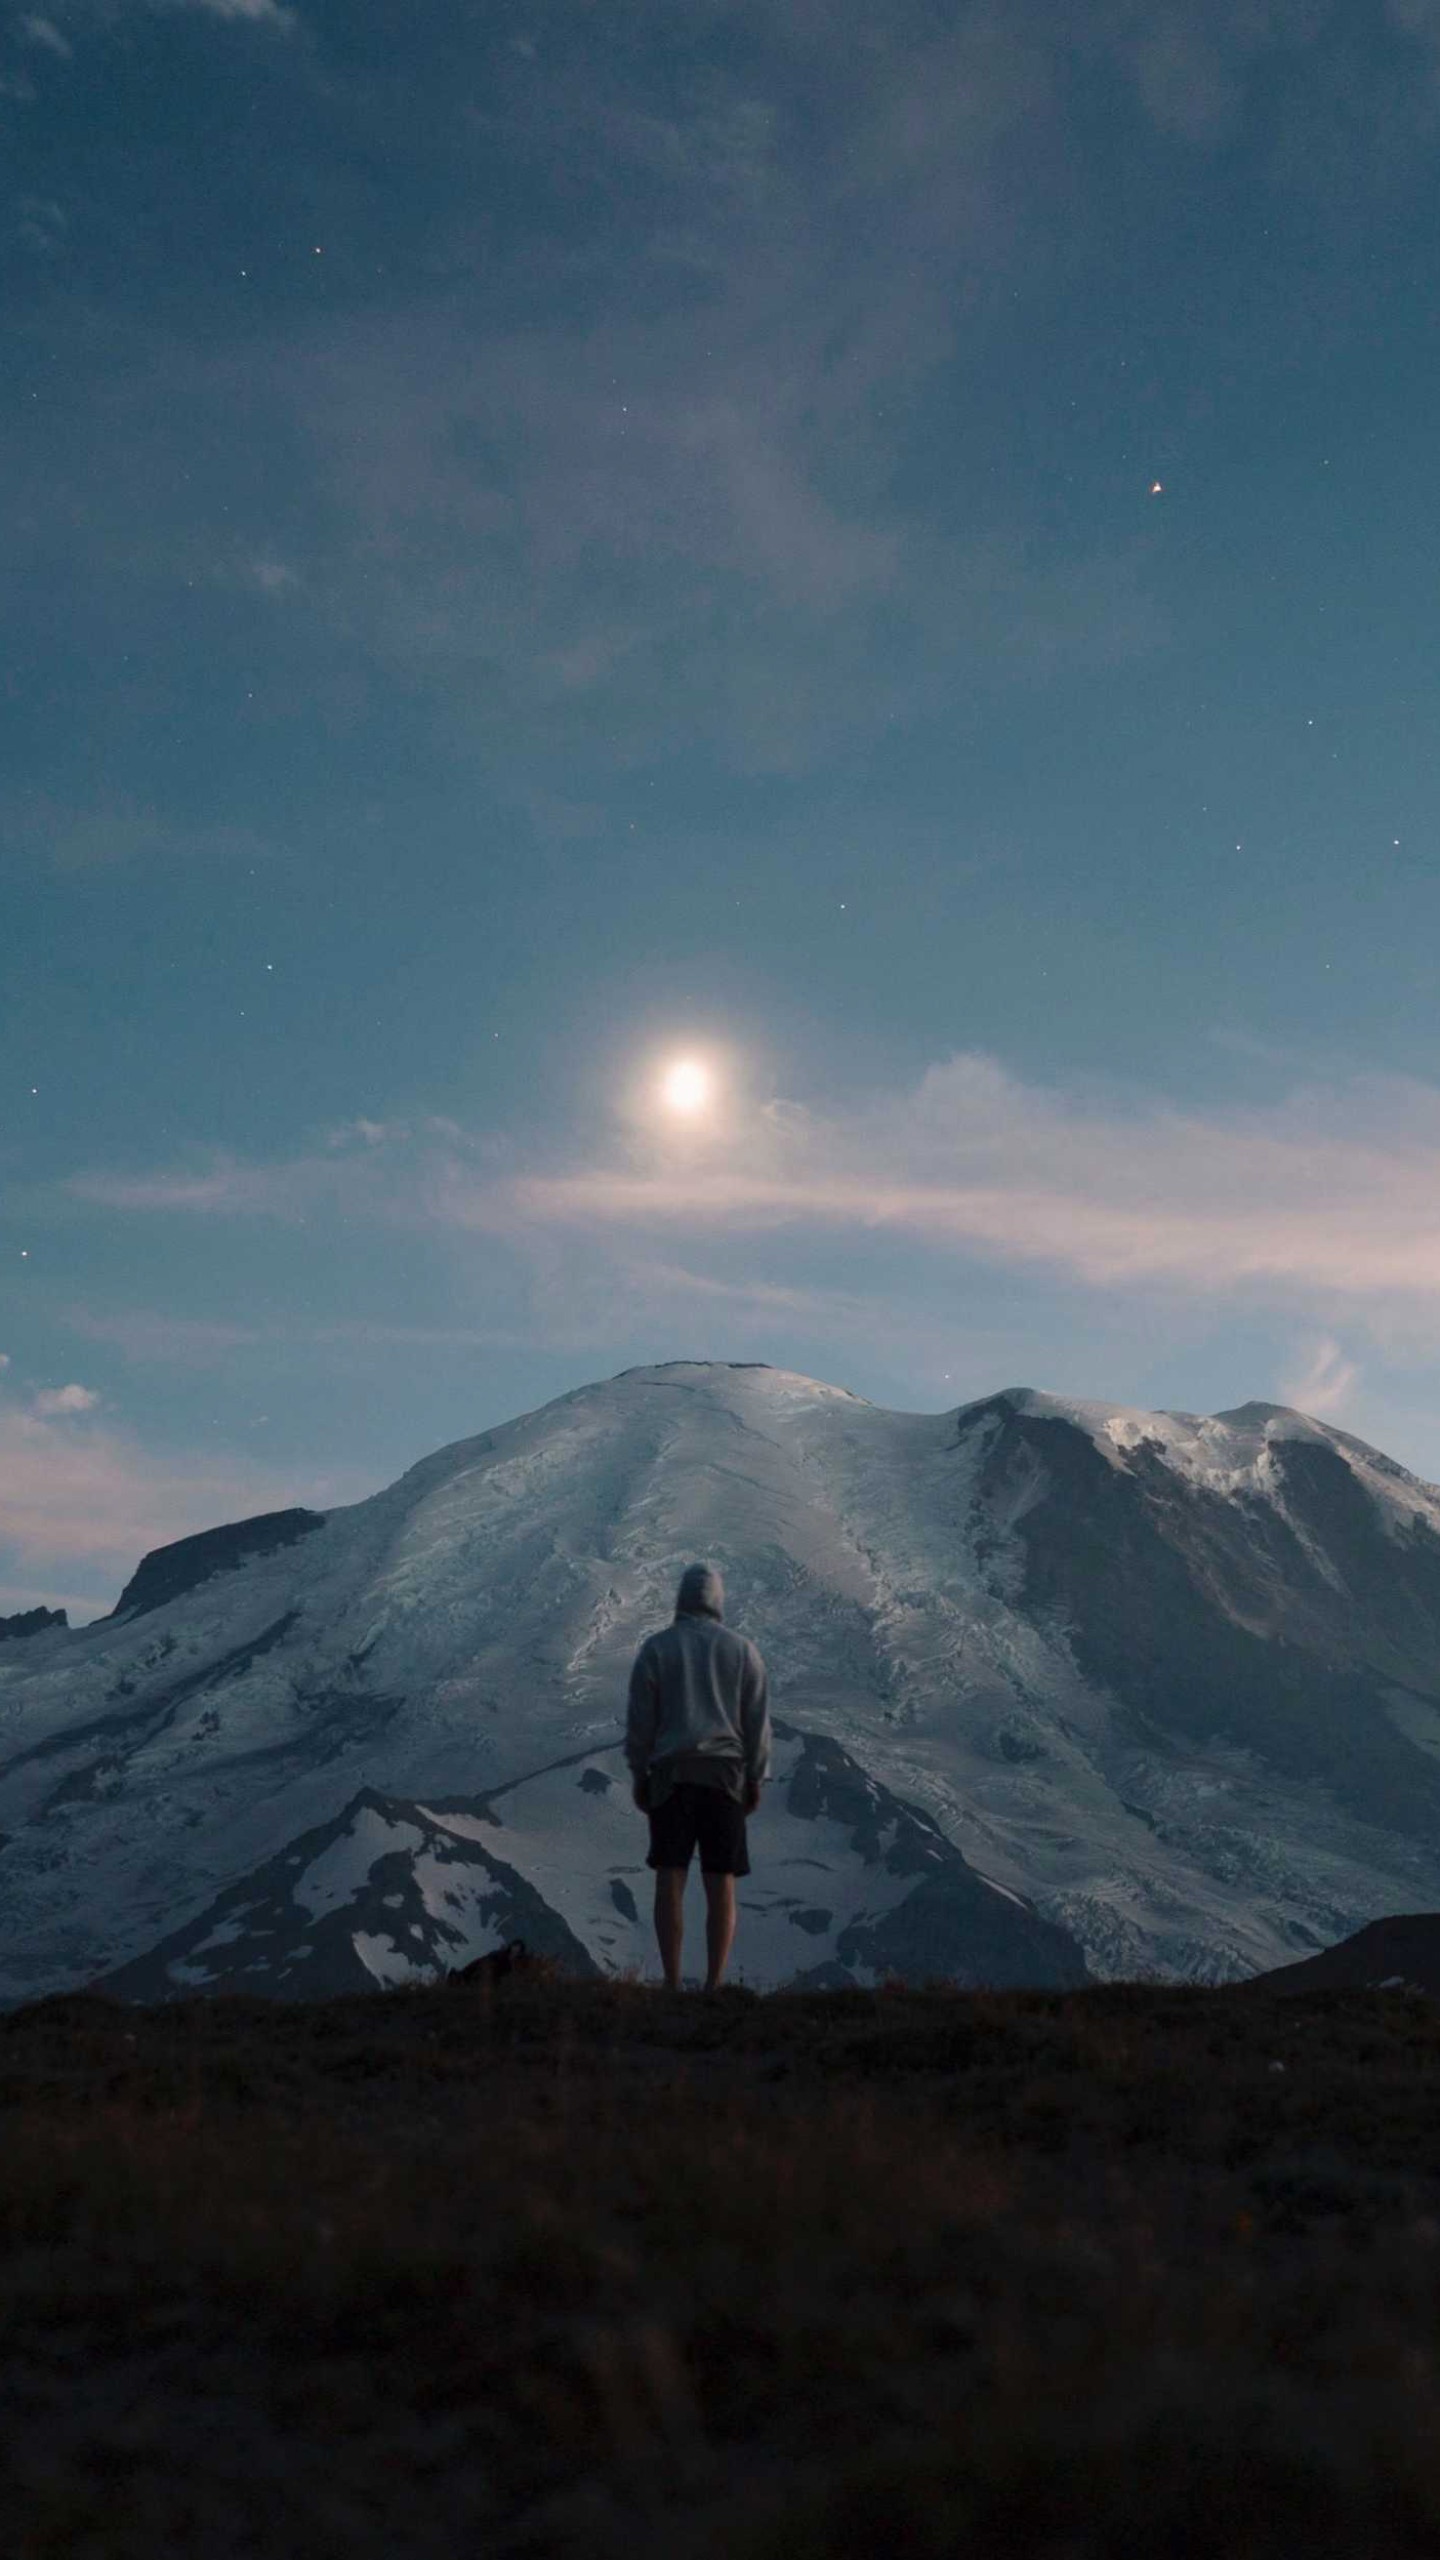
(697, 1738)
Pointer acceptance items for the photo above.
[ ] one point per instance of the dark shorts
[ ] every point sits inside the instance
(703, 1817)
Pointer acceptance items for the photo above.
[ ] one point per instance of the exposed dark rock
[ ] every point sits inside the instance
(484, 1971)
(957, 1928)
(827, 1782)
(1208, 1617)
(167, 1572)
(31, 1622)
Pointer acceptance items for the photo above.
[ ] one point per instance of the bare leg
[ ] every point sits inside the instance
(719, 1927)
(670, 1920)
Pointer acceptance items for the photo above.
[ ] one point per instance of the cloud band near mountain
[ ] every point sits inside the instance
(1332, 1193)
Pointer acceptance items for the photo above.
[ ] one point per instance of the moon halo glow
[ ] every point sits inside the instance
(687, 1087)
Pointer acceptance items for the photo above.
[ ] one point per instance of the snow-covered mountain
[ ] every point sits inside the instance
(1055, 1684)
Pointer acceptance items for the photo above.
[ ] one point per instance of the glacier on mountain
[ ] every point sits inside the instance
(1061, 1684)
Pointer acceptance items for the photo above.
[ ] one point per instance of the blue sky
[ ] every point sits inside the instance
(540, 541)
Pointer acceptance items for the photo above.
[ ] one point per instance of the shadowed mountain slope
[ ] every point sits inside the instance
(850, 1885)
(1390, 1954)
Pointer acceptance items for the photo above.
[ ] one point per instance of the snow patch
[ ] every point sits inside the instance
(342, 1870)
(386, 1963)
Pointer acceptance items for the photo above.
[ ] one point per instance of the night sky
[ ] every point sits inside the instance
(888, 555)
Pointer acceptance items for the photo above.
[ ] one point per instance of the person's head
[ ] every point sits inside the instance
(701, 1593)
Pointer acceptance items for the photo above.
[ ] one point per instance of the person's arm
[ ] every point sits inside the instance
(755, 1725)
(641, 1720)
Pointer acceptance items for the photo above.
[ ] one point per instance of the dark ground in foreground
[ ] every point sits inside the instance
(589, 2269)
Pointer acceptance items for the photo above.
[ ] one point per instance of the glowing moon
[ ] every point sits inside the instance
(687, 1087)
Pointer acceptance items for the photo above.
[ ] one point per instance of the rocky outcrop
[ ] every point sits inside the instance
(167, 1572)
(31, 1622)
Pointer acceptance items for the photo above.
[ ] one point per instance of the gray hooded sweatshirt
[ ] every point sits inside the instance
(699, 1705)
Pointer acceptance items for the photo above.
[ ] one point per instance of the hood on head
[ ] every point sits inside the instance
(701, 1593)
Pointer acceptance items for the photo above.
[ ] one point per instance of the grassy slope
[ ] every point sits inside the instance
(583, 2268)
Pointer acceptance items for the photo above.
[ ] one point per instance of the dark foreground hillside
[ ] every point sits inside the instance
(589, 2269)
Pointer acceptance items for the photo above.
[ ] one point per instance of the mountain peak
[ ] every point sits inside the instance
(718, 1369)
(1257, 1413)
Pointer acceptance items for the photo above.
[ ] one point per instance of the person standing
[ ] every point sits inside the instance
(697, 1738)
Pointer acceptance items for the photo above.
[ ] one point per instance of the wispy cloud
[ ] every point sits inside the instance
(273, 577)
(227, 1187)
(81, 1500)
(353, 1172)
(268, 13)
(669, 497)
(674, 498)
(151, 1339)
(42, 224)
(1196, 73)
(44, 29)
(50, 1401)
(1329, 1195)
(180, 1342)
(44, 32)
(677, 496)
(1326, 1382)
(117, 828)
